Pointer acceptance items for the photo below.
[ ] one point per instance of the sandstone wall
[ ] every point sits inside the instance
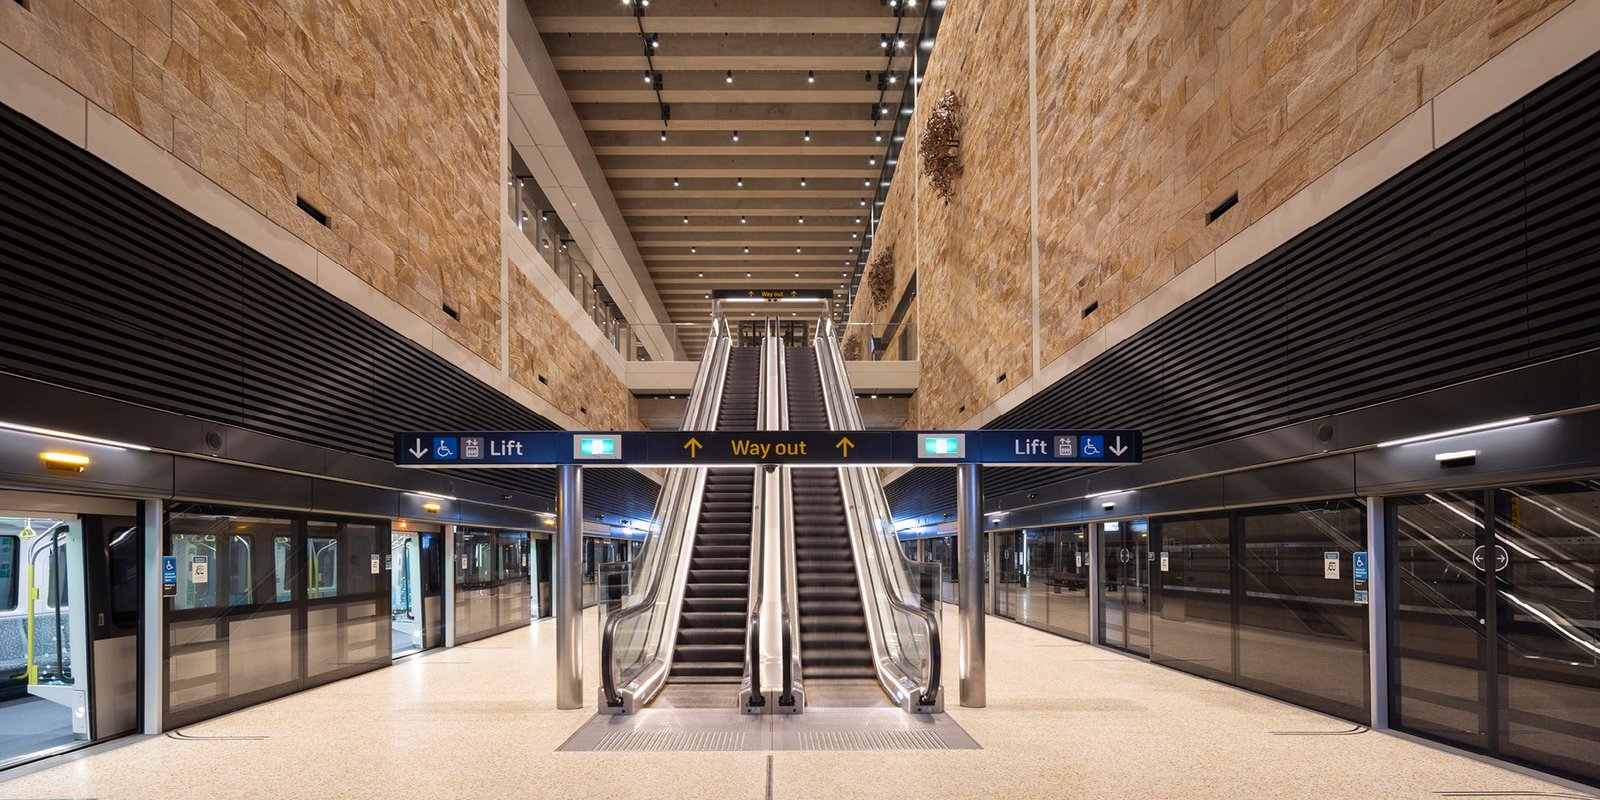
(1148, 116)
(384, 116)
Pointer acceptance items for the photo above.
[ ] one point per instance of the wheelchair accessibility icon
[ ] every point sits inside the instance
(1093, 447)
(444, 448)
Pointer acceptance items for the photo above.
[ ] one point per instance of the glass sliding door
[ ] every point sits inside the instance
(1125, 585)
(1497, 625)
(1547, 645)
(405, 593)
(1302, 633)
(1192, 617)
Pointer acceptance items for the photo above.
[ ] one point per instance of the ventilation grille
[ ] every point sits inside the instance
(1479, 258)
(111, 289)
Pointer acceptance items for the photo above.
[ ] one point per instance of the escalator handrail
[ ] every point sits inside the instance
(674, 498)
(844, 415)
(752, 646)
(790, 655)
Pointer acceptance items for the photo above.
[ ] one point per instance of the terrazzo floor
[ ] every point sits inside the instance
(1064, 720)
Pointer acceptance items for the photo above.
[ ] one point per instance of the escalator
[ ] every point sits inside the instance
(711, 625)
(834, 644)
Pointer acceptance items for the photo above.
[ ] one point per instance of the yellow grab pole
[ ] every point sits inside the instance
(33, 594)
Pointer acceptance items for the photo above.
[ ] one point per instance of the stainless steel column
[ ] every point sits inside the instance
(969, 538)
(1377, 606)
(448, 601)
(153, 630)
(1091, 559)
(569, 588)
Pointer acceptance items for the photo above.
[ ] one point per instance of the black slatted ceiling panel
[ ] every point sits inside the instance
(1482, 257)
(111, 289)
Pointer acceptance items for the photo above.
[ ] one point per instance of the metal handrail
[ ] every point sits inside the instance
(675, 495)
(845, 415)
(790, 655)
(752, 697)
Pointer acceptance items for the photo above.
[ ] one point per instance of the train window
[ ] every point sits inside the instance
(241, 570)
(196, 554)
(513, 555)
(8, 572)
(55, 567)
(322, 559)
(282, 568)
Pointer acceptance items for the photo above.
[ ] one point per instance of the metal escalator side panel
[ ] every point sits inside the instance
(884, 585)
(714, 583)
(646, 647)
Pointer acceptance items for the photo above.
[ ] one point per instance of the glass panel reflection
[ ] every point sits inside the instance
(1548, 644)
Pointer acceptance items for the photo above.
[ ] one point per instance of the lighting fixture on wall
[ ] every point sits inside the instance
(433, 506)
(65, 462)
(1457, 431)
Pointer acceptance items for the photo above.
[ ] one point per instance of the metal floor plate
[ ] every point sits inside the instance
(710, 730)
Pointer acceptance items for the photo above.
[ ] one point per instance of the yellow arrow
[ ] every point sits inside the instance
(794, 293)
(844, 446)
(693, 446)
(750, 293)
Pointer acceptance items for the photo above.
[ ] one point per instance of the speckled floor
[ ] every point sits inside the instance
(1064, 720)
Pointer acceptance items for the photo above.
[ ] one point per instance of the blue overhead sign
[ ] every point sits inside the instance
(472, 449)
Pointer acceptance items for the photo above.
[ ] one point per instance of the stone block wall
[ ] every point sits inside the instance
(1149, 115)
(549, 358)
(383, 116)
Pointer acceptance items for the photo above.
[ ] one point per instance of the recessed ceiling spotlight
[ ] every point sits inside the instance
(741, 220)
(728, 76)
(647, 78)
(858, 220)
(877, 137)
(883, 40)
(747, 274)
(893, 78)
(865, 183)
(808, 136)
(694, 249)
(802, 220)
(738, 182)
(872, 162)
(811, 77)
(686, 220)
(802, 183)
(797, 274)
(655, 41)
(747, 249)
(899, 42)
(797, 250)
(736, 136)
(699, 274)
(674, 180)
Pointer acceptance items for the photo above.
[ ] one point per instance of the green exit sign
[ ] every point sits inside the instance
(593, 447)
(943, 445)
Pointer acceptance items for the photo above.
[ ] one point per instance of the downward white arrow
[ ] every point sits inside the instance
(1118, 449)
(418, 451)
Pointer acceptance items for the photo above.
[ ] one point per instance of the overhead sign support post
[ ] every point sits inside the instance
(969, 544)
(569, 587)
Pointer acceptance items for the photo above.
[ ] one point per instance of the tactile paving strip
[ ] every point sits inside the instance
(871, 740)
(672, 740)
